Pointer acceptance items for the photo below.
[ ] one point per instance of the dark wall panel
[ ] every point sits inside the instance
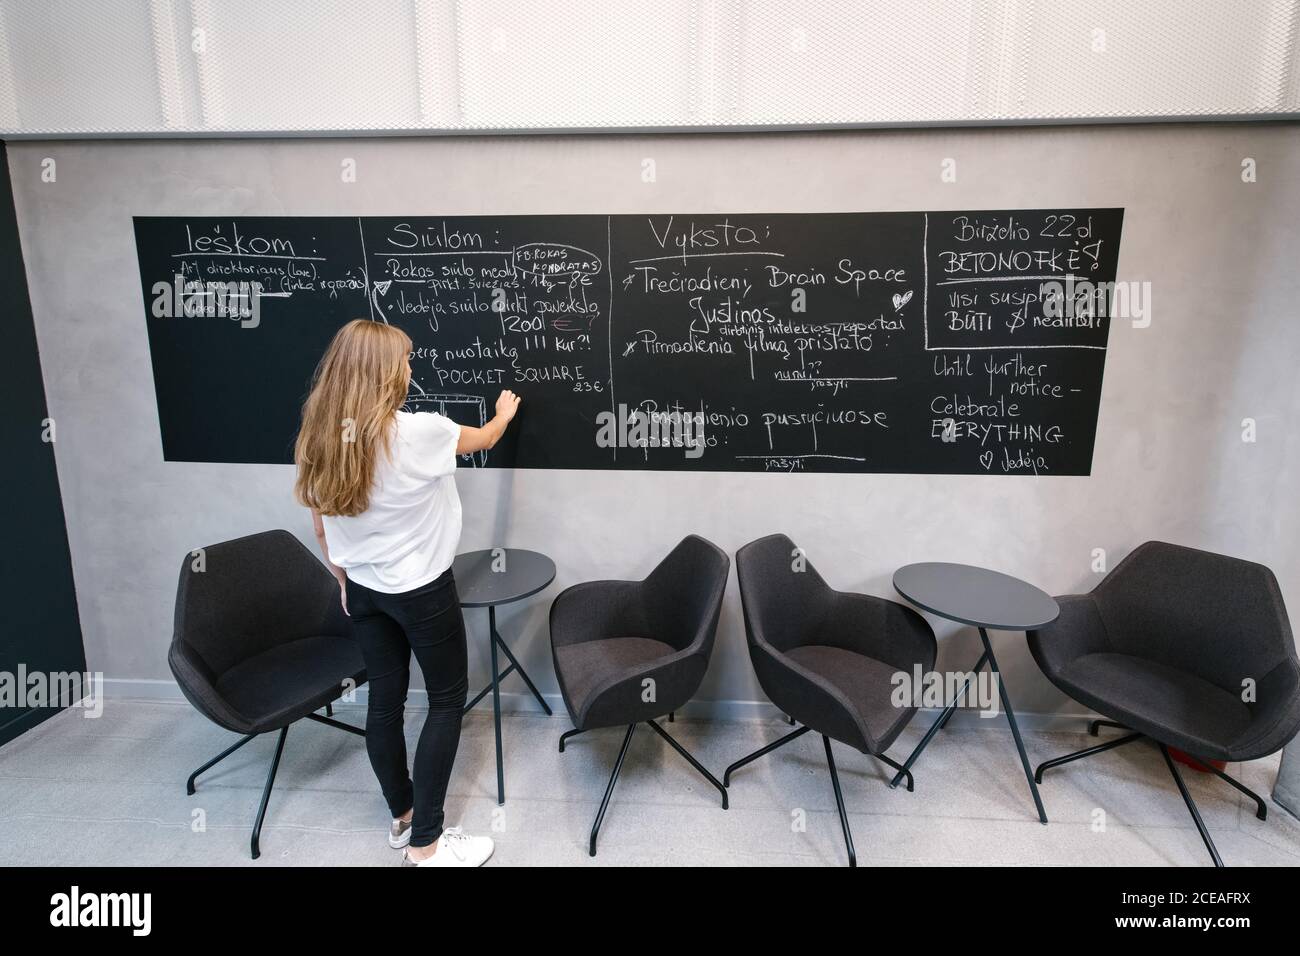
(41, 632)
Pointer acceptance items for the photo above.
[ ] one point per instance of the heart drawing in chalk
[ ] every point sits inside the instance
(986, 460)
(902, 300)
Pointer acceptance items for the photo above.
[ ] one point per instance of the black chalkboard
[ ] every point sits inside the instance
(940, 342)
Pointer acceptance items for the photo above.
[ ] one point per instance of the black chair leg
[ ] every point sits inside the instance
(189, 784)
(609, 790)
(1261, 809)
(329, 710)
(839, 802)
(691, 760)
(670, 716)
(1080, 754)
(907, 774)
(762, 751)
(270, 777)
(1191, 806)
(566, 735)
(1095, 725)
(331, 722)
(266, 794)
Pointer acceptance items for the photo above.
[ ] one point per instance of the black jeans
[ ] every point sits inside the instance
(388, 627)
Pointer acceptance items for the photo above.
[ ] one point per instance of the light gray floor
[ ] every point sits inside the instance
(111, 791)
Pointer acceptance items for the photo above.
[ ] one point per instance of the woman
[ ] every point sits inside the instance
(381, 488)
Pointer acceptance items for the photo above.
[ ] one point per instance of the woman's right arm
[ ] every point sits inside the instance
(481, 439)
(339, 574)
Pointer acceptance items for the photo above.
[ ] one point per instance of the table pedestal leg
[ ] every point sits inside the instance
(986, 658)
(495, 641)
(1015, 730)
(939, 722)
(496, 704)
(518, 668)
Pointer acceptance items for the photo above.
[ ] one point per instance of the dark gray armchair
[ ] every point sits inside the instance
(1190, 649)
(629, 652)
(261, 641)
(827, 658)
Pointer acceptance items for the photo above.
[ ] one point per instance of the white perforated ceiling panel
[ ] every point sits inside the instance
(623, 63)
(144, 67)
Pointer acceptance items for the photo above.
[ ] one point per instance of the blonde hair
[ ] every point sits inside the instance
(359, 385)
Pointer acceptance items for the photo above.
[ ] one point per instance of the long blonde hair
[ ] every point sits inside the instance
(359, 385)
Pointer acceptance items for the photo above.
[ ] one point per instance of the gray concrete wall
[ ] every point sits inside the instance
(1222, 256)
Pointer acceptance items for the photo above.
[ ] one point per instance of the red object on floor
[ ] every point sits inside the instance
(1196, 763)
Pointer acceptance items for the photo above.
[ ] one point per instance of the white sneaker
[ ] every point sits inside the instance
(399, 834)
(455, 848)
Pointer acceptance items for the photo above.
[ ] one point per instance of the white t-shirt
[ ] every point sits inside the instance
(409, 534)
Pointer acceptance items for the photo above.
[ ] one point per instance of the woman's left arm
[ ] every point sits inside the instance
(339, 574)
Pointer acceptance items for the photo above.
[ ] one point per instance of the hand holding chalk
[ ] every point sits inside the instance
(507, 405)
